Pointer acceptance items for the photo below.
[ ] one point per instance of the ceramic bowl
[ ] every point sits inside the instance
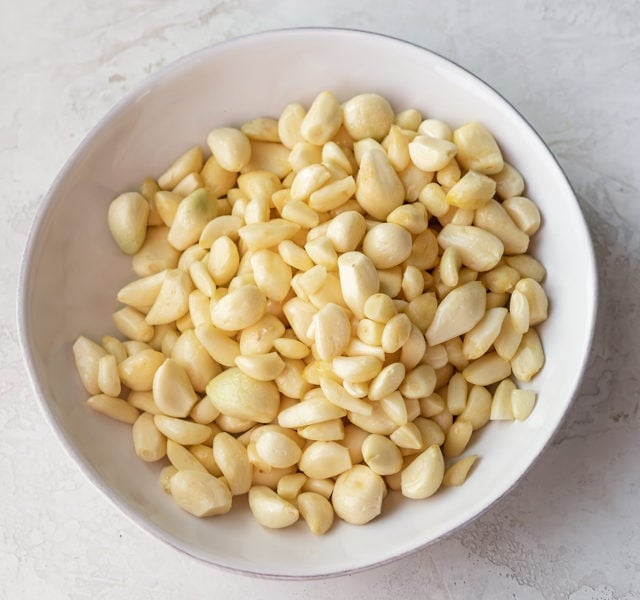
(72, 268)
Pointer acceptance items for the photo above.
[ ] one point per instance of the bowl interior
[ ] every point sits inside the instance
(72, 270)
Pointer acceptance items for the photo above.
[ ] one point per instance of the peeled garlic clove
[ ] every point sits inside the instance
(358, 494)
(501, 402)
(536, 299)
(509, 183)
(522, 403)
(378, 187)
(336, 394)
(235, 394)
(156, 253)
(313, 410)
(232, 459)
(142, 292)
(524, 213)
(483, 335)
(189, 162)
(149, 443)
(529, 357)
(457, 473)
(367, 116)
(138, 370)
(116, 408)
(358, 280)
(181, 431)
(263, 367)
(323, 119)
(478, 249)
(172, 389)
(87, 355)
(459, 312)
(239, 309)
(127, 220)
(487, 369)
(407, 436)
(172, 301)
(387, 245)
(189, 352)
(430, 153)
(471, 191)
(230, 147)
(323, 460)
(457, 438)
(200, 493)
(332, 331)
(270, 510)
(478, 149)
(423, 477)
(492, 217)
(316, 510)
(192, 215)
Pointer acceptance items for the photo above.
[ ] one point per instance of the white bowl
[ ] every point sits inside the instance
(71, 270)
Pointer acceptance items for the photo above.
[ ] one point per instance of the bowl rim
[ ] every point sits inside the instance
(47, 201)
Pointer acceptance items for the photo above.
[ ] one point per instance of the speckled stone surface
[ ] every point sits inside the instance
(571, 528)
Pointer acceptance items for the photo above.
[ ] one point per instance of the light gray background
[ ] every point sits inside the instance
(571, 529)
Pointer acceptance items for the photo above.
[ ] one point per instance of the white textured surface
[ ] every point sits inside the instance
(571, 528)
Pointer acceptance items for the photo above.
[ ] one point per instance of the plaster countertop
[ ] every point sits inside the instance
(571, 528)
